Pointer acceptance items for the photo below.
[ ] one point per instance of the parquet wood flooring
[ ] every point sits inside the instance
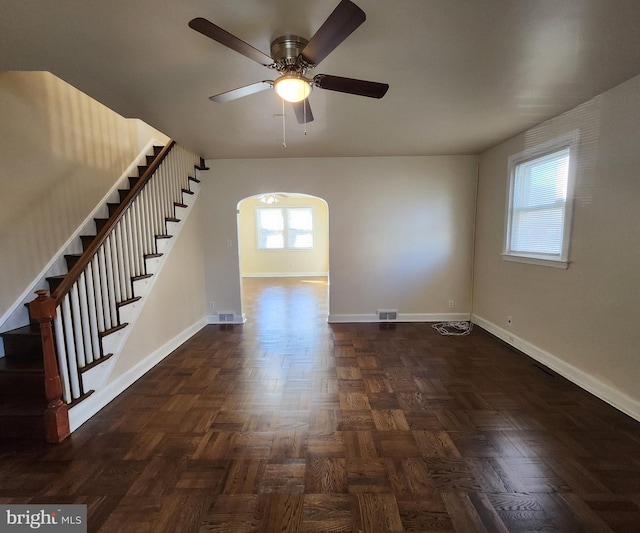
(290, 424)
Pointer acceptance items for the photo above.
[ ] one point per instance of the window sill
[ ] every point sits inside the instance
(553, 263)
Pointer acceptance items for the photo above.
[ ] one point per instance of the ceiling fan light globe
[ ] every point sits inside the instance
(292, 87)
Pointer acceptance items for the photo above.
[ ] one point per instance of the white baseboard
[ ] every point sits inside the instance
(82, 412)
(605, 392)
(286, 275)
(402, 317)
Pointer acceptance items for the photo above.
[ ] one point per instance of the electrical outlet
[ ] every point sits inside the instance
(212, 305)
(450, 304)
(509, 321)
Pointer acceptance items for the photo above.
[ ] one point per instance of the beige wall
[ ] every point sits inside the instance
(177, 300)
(583, 321)
(255, 262)
(400, 234)
(60, 153)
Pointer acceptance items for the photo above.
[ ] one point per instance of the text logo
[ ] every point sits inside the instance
(44, 518)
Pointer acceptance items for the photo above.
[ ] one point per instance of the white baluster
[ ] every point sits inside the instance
(104, 291)
(84, 316)
(78, 340)
(71, 350)
(119, 265)
(108, 249)
(94, 308)
(116, 258)
(132, 228)
(61, 352)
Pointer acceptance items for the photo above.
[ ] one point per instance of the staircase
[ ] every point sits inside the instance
(95, 300)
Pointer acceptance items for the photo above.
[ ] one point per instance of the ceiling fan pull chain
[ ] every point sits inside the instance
(305, 116)
(284, 128)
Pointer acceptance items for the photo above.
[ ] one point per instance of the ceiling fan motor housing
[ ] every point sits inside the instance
(286, 53)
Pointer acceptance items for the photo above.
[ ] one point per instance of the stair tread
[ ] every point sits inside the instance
(30, 329)
(114, 329)
(83, 397)
(21, 366)
(130, 301)
(95, 363)
(23, 405)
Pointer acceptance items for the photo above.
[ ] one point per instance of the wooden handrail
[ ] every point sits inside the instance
(69, 280)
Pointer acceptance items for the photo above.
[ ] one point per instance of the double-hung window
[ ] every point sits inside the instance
(285, 228)
(540, 201)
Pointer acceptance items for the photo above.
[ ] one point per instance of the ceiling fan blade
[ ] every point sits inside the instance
(230, 41)
(371, 89)
(340, 24)
(303, 111)
(242, 91)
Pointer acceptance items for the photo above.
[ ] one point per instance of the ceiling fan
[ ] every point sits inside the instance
(292, 56)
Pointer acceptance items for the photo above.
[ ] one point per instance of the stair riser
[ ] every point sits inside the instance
(17, 385)
(71, 260)
(100, 223)
(22, 348)
(54, 283)
(86, 241)
(22, 427)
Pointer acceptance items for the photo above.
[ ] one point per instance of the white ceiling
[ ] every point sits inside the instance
(464, 74)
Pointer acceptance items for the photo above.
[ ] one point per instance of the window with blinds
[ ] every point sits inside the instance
(285, 228)
(539, 209)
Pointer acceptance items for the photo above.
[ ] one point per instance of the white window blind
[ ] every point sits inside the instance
(282, 228)
(539, 199)
(300, 227)
(539, 206)
(270, 229)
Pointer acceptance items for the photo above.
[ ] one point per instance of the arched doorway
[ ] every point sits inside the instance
(283, 248)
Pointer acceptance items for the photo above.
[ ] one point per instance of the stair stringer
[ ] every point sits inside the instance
(17, 315)
(97, 378)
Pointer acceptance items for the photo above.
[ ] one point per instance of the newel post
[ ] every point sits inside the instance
(56, 416)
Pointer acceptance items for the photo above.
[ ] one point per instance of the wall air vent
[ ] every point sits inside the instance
(226, 317)
(387, 314)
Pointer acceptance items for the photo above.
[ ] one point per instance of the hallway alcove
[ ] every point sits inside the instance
(284, 279)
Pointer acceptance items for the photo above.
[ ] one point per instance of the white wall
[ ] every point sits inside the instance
(60, 153)
(400, 232)
(177, 301)
(583, 321)
(275, 263)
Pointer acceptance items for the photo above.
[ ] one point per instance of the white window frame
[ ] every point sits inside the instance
(561, 260)
(285, 231)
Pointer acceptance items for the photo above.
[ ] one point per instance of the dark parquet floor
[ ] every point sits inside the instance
(290, 424)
